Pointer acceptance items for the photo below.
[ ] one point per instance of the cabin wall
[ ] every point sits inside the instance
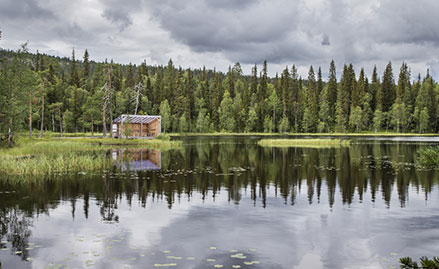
(155, 127)
(152, 129)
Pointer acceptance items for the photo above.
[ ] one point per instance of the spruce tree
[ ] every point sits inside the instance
(387, 89)
(332, 90)
(74, 77)
(312, 102)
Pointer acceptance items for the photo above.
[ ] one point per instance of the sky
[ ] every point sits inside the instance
(219, 33)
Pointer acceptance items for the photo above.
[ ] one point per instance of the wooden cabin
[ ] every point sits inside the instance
(136, 126)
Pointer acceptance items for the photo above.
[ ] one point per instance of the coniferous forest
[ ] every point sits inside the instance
(45, 93)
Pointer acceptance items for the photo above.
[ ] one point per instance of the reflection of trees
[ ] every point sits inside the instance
(208, 168)
(15, 225)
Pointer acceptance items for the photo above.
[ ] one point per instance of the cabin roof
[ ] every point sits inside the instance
(136, 119)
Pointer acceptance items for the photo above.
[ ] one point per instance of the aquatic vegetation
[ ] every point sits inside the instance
(429, 157)
(305, 143)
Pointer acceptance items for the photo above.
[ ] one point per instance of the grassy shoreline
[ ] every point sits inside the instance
(49, 156)
(304, 143)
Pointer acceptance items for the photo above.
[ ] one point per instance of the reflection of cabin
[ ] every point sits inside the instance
(136, 126)
(137, 159)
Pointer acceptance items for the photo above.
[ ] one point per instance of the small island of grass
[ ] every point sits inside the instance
(68, 155)
(305, 143)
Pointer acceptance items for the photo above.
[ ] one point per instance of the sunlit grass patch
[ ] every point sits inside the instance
(305, 143)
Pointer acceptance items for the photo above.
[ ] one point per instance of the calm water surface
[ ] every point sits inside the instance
(227, 202)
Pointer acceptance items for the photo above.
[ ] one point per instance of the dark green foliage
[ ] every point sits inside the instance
(425, 263)
(387, 89)
(77, 97)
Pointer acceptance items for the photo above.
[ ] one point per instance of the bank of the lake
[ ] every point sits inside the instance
(49, 156)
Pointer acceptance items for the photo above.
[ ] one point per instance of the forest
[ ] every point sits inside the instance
(48, 93)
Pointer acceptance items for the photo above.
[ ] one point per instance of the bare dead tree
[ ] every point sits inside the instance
(105, 99)
(139, 92)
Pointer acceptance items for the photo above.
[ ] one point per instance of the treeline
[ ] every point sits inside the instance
(67, 95)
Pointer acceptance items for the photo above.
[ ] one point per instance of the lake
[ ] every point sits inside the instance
(225, 202)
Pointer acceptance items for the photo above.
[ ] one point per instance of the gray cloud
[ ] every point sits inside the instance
(121, 18)
(24, 10)
(120, 12)
(220, 32)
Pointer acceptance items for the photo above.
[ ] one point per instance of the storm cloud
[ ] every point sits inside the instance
(217, 33)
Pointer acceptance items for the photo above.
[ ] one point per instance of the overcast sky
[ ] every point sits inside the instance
(218, 33)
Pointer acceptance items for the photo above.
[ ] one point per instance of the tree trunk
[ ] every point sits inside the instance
(61, 116)
(53, 122)
(92, 129)
(10, 137)
(10, 134)
(42, 116)
(30, 119)
(104, 127)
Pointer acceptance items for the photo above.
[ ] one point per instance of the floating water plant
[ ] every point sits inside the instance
(305, 143)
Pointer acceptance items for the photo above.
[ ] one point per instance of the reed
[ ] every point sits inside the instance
(304, 143)
(68, 155)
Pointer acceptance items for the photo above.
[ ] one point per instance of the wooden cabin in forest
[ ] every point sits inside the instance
(136, 126)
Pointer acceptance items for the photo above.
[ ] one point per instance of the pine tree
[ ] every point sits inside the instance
(387, 89)
(375, 91)
(324, 113)
(86, 66)
(332, 90)
(312, 102)
(74, 77)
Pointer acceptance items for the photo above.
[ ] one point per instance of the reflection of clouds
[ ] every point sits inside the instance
(300, 236)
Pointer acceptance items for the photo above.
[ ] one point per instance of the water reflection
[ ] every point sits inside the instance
(137, 159)
(209, 193)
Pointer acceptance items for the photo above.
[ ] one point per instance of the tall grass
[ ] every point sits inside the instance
(67, 155)
(54, 164)
(308, 143)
